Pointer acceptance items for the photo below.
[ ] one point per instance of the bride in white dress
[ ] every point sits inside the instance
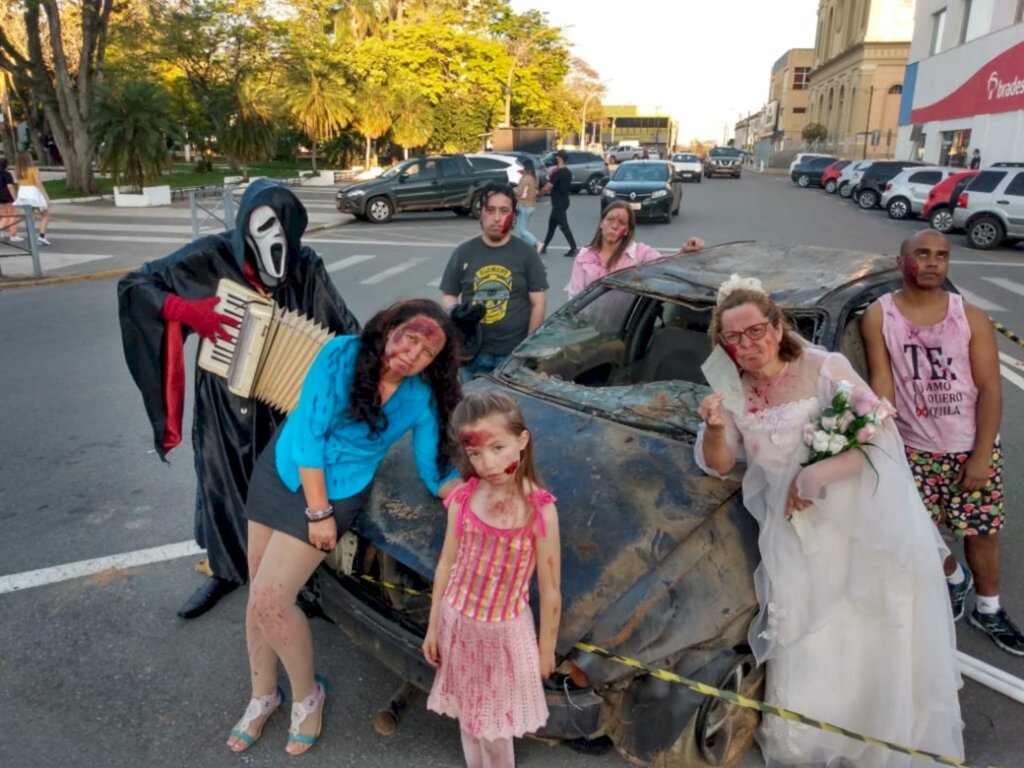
(854, 620)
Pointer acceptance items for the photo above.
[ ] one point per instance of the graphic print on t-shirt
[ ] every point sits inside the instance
(492, 287)
(933, 380)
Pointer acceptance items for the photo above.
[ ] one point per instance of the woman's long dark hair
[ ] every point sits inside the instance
(598, 241)
(529, 169)
(442, 375)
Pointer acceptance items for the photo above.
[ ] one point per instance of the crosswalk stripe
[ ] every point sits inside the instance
(435, 283)
(1008, 285)
(1012, 377)
(349, 261)
(987, 263)
(1012, 361)
(983, 304)
(400, 243)
(380, 277)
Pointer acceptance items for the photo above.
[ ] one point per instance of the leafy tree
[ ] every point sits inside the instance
(60, 65)
(317, 98)
(249, 135)
(414, 117)
(131, 125)
(813, 132)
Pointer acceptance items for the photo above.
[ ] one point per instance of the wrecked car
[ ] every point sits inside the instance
(657, 557)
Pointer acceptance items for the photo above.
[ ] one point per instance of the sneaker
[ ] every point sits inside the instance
(44, 241)
(958, 594)
(999, 627)
(16, 239)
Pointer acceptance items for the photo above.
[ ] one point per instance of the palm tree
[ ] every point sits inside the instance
(249, 134)
(373, 114)
(414, 121)
(318, 99)
(131, 124)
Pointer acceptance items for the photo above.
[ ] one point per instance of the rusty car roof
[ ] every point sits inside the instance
(793, 275)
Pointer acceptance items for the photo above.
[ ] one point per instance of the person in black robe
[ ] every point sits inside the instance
(164, 301)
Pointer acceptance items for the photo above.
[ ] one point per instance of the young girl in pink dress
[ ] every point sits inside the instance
(502, 525)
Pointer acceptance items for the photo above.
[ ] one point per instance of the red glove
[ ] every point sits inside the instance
(199, 315)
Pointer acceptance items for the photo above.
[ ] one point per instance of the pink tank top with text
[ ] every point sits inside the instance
(490, 580)
(936, 397)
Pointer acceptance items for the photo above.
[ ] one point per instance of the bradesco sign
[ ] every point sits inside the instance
(997, 87)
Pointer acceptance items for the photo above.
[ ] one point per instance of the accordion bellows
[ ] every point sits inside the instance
(270, 354)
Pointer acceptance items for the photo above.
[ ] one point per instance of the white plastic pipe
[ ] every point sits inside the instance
(992, 677)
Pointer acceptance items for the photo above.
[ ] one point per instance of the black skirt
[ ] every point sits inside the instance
(272, 503)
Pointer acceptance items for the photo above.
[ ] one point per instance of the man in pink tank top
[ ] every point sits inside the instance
(935, 357)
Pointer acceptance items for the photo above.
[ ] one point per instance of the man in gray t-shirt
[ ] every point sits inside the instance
(502, 273)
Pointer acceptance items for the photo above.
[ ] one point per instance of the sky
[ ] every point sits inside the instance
(704, 63)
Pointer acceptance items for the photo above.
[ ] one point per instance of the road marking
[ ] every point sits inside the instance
(983, 304)
(380, 277)
(399, 243)
(1005, 284)
(43, 576)
(349, 261)
(185, 237)
(1013, 378)
(435, 283)
(1012, 361)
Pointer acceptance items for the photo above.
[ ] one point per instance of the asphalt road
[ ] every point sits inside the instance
(98, 671)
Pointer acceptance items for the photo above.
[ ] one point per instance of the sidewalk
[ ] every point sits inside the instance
(95, 240)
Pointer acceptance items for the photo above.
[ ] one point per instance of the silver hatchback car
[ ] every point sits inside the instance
(991, 207)
(908, 191)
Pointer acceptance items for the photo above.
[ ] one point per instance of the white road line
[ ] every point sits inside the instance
(38, 578)
(1012, 361)
(399, 243)
(380, 277)
(435, 283)
(186, 235)
(983, 304)
(1013, 378)
(1009, 285)
(349, 261)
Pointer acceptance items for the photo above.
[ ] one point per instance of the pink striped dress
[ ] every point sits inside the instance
(489, 678)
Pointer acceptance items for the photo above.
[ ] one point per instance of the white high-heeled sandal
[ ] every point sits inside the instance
(301, 709)
(262, 706)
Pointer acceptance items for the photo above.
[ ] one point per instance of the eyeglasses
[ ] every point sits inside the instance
(754, 332)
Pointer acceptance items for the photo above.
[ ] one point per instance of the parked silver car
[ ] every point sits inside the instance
(589, 170)
(907, 192)
(850, 177)
(991, 207)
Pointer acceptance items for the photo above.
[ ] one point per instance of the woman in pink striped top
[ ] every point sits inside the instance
(501, 524)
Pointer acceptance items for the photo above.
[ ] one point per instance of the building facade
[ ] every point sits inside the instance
(964, 84)
(789, 96)
(624, 123)
(856, 81)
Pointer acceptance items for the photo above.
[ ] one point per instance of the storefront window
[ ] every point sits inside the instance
(953, 151)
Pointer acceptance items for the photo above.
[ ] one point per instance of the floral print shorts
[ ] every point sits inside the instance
(965, 514)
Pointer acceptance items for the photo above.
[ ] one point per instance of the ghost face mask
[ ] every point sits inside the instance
(265, 235)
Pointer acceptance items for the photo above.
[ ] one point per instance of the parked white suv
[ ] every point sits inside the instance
(991, 207)
(801, 156)
(850, 177)
(908, 190)
(622, 153)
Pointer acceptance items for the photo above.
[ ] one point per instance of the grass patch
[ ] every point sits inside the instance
(182, 175)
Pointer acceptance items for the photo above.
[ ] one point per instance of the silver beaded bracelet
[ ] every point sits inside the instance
(316, 515)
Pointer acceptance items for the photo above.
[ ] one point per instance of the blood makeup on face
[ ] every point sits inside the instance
(511, 468)
(910, 267)
(506, 225)
(429, 334)
(474, 438)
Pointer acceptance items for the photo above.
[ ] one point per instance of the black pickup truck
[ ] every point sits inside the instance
(433, 183)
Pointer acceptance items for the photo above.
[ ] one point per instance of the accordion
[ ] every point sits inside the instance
(269, 354)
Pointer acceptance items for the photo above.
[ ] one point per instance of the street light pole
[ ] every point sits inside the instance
(583, 120)
(867, 123)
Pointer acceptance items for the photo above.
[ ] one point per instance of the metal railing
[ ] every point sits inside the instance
(223, 211)
(31, 241)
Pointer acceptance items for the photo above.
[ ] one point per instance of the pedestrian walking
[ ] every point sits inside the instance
(32, 192)
(936, 357)
(560, 187)
(975, 159)
(8, 215)
(502, 526)
(527, 191)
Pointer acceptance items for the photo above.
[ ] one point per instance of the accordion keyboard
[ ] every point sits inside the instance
(215, 356)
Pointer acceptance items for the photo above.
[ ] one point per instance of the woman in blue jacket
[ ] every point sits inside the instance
(360, 396)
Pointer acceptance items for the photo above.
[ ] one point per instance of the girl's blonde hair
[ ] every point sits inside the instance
(22, 164)
(480, 405)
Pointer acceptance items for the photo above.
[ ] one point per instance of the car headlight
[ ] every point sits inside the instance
(355, 193)
(609, 193)
(659, 193)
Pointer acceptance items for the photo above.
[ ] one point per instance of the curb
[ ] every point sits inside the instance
(32, 282)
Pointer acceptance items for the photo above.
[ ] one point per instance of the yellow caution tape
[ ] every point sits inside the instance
(717, 693)
(1007, 333)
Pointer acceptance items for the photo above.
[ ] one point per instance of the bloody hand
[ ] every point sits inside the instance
(199, 315)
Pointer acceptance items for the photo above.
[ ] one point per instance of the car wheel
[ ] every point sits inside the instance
(898, 208)
(803, 180)
(867, 199)
(830, 186)
(476, 206)
(845, 190)
(594, 185)
(380, 210)
(984, 233)
(462, 210)
(941, 219)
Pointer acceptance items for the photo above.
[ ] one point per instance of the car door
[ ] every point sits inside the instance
(454, 183)
(418, 186)
(1013, 200)
(919, 184)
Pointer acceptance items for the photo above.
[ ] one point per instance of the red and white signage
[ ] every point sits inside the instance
(997, 87)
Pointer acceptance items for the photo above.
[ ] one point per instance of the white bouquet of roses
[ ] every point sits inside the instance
(847, 422)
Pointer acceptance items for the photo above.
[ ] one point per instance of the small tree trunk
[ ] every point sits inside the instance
(314, 154)
(366, 162)
(405, 153)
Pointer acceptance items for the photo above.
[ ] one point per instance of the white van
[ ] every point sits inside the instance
(801, 156)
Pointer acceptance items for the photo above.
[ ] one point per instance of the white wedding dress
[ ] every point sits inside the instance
(854, 619)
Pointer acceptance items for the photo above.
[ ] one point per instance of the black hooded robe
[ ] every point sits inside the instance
(228, 432)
